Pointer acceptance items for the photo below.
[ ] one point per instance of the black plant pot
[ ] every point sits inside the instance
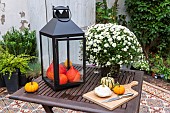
(12, 84)
(22, 79)
(29, 79)
(2, 82)
(133, 68)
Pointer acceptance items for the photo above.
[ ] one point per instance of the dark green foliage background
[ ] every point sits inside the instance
(150, 21)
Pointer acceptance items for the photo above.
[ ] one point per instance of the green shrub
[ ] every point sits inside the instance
(160, 66)
(109, 15)
(35, 70)
(20, 42)
(149, 20)
(10, 62)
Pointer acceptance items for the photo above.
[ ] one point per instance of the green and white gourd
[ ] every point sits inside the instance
(108, 81)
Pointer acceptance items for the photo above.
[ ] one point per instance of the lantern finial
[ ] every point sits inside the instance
(62, 13)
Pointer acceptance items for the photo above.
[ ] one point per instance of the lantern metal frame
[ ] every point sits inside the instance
(61, 31)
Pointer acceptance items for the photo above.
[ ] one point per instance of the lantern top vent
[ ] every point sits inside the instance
(61, 24)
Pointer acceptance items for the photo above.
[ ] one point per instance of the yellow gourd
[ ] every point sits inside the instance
(108, 81)
(66, 63)
(31, 87)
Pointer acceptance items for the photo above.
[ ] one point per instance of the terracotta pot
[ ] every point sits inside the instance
(152, 74)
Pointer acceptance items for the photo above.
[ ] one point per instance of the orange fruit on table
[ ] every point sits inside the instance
(119, 89)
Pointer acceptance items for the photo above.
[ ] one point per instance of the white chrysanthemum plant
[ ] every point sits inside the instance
(110, 44)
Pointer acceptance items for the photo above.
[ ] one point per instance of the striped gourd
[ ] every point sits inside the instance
(108, 81)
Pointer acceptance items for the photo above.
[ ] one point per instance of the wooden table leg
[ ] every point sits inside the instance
(48, 109)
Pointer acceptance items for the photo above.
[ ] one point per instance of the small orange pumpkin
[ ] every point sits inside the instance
(119, 89)
(31, 87)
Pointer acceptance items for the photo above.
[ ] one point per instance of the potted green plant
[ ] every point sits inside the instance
(20, 42)
(35, 71)
(10, 66)
(31, 73)
(154, 71)
(111, 45)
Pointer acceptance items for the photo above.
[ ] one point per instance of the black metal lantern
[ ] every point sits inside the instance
(60, 41)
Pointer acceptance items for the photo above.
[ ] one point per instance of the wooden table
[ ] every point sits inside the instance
(72, 98)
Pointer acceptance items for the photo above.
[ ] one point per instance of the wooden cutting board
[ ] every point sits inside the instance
(114, 104)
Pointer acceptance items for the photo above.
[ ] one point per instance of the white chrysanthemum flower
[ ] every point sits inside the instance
(118, 38)
(95, 50)
(129, 43)
(137, 43)
(124, 49)
(101, 37)
(106, 45)
(118, 56)
(108, 63)
(95, 45)
(98, 41)
(87, 48)
(91, 57)
(126, 61)
(99, 48)
(117, 33)
(91, 35)
(114, 45)
(127, 47)
(113, 58)
(105, 51)
(133, 47)
(96, 36)
(114, 37)
(120, 62)
(103, 33)
(90, 43)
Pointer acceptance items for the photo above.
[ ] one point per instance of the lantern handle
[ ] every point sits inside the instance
(62, 20)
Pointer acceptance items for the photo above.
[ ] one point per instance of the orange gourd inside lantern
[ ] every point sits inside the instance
(63, 79)
(50, 71)
(73, 75)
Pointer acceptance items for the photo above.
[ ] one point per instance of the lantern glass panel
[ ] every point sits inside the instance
(70, 50)
(47, 54)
